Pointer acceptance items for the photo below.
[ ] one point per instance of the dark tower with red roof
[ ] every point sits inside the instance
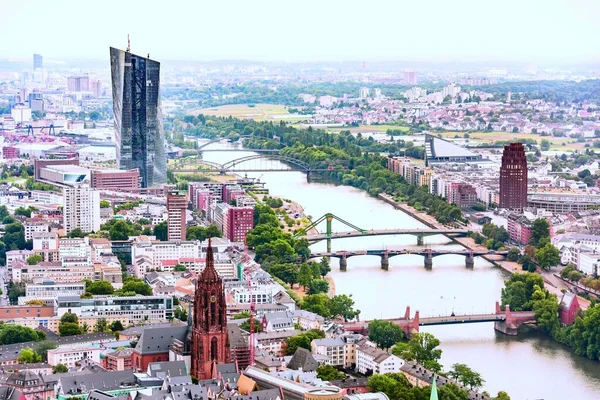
(210, 343)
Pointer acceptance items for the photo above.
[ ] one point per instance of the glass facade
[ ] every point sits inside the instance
(139, 136)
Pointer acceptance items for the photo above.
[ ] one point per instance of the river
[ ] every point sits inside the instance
(529, 366)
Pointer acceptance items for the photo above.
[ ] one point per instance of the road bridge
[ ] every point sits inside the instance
(505, 321)
(236, 139)
(428, 255)
(243, 149)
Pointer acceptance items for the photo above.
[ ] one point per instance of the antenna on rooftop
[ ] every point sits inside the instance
(128, 44)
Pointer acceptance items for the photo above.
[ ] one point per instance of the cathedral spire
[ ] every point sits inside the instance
(209, 273)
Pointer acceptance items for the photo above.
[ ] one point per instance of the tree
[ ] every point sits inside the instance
(502, 396)
(342, 305)
(60, 369)
(466, 376)
(10, 334)
(318, 286)
(44, 346)
(518, 291)
(545, 309)
(318, 304)
(302, 340)
(422, 348)
(286, 272)
(104, 204)
(328, 373)
(179, 268)
(547, 256)
(101, 326)
(305, 275)
(136, 286)
(29, 356)
(324, 266)
(69, 325)
(116, 326)
(452, 391)
(121, 230)
(540, 230)
(99, 287)
(77, 233)
(160, 231)
(513, 254)
(545, 145)
(34, 259)
(384, 333)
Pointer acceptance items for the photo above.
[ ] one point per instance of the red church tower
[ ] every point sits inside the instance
(210, 343)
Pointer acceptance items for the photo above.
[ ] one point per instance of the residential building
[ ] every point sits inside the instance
(32, 225)
(519, 228)
(277, 322)
(33, 386)
(461, 194)
(72, 354)
(81, 208)
(10, 152)
(176, 206)
(333, 348)
(239, 221)
(138, 129)
(272, 342)
(513, 177)
(78, 83)
(11, 312)
(370, 359)
(308, 320)
(119, 360)
(410, 77)
(115, 179)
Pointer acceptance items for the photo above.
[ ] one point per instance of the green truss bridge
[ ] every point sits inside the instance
(329, 235)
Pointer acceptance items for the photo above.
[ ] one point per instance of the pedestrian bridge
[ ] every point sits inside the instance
(506, 321)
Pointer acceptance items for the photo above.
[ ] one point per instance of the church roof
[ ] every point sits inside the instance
(303, 360)
(210, 273)
(158, 339)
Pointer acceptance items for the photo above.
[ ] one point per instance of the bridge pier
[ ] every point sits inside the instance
(385, 261)
(343, 263)
(506, 328)
(419, 240)
(470, 261)
(329, 245)
(428, 261)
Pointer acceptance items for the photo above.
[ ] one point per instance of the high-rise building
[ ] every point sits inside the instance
(81, 209)
(239, 221)
(410, 77)
(38, 61)
(210, 341)
(139, 138)
(78, 83)
(176, 205)
(513, 177)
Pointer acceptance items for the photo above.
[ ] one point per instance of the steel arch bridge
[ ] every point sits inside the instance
(290, 164)
(217, 140)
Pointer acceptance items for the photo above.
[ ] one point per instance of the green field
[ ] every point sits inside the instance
(258, 112)
(369, 128)
(489, 137)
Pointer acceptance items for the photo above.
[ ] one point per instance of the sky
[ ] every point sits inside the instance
(529, 31)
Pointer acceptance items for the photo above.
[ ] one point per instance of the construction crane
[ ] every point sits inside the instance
(30, 128)
(252, 303)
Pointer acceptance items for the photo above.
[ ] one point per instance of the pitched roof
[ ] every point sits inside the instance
(106, 381)
(158, 339)
(210, 273)
(9, 393)
(303, 359)
(167, 368)
(236, 338)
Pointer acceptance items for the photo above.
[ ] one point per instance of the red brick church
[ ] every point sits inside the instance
(210, 342)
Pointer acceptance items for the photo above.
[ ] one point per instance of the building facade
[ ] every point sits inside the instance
(138, 131)
(513, 177)
(116, 179)
(81, 209)
(176, 205)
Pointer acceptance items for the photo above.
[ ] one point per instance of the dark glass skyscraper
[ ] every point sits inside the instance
(138, 129)
(513, 177)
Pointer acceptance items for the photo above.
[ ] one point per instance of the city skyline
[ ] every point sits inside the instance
(533, 32)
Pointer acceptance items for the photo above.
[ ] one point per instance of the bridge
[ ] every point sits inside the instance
(428, 255)
(265, 163)
(358, 232)
(507, 321)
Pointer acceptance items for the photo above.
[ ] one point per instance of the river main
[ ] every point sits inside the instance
(529, 366)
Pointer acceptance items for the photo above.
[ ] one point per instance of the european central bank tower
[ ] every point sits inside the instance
(139, 137)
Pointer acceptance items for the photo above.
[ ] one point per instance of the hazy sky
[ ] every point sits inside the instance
(308, 30)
